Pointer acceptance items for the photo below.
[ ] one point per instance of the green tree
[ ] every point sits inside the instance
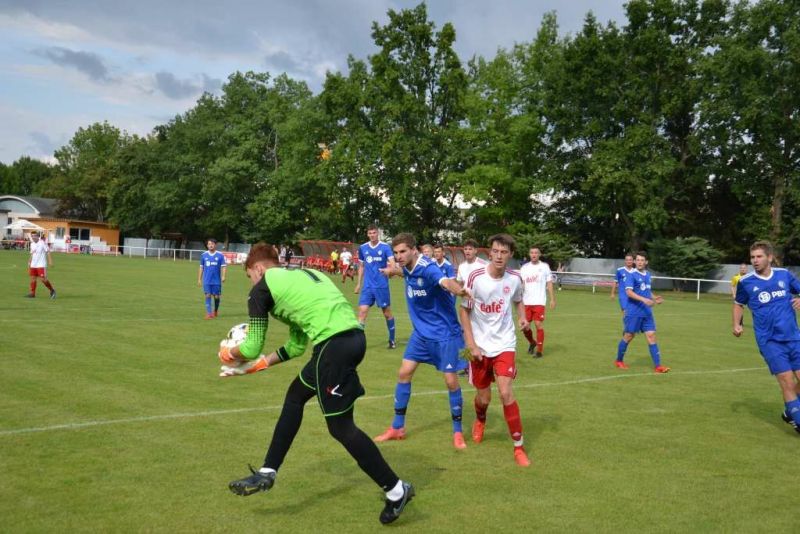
(689, 257)
(85, 168)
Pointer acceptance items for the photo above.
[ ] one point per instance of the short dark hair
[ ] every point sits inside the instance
(405, 239)
(211, 240)
(504, 239)
(470, 243)
(641, 253)
(372, 227)
(261, 252)
(629, 254)
(764, 245)
(437, 245)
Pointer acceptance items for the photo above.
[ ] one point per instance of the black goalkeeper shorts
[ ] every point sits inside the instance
(331, 371)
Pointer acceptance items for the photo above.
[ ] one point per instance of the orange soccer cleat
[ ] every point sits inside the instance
(458, 440)
(661, 369)
(521, 457)
(391, 434)
(621, 365)
(477, 430)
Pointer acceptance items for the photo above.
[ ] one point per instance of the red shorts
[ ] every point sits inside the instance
(534, 313)
(482, 373)
(37, 271)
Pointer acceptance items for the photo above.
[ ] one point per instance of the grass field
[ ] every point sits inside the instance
(112, 418)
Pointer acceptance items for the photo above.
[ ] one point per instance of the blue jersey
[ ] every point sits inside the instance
(620, 275)
(641, 285)
(446, 267)
(430, 306)
(372, 260)
(770, 300)
(212, 265)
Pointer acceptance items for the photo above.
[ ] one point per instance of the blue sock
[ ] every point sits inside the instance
(208, 304)
(390, 327)
(621, 348)
(793, 410)
(655, 354)
(402, 394)
(456, 405)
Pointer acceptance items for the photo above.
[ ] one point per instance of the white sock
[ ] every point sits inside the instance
(267, 470)
(396, 493)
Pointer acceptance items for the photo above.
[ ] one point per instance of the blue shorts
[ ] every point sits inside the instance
(212, 289)
(442, 354)
(634, 325)
(374, 295)
(781, 356)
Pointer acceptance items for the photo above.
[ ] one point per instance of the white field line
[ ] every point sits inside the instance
(211, 413)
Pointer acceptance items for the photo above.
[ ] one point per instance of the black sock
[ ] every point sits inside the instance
(216, 303)
(362, 449)
(288, 423)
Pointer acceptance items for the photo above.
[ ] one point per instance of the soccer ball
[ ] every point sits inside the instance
(237, 334)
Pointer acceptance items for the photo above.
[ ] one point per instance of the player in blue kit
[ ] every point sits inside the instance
(619, 281)
(442, 262)
(437, 338)
(768, 293)
(211, 276)
(639, 314)
(377, 262)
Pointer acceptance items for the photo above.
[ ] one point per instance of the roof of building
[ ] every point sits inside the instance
(44, 207)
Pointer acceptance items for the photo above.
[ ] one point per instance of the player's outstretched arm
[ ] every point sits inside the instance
(454, 287)
(738, 310)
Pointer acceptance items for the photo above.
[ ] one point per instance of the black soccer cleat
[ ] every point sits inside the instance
(392, 345)
(531, 348)
(788, 420)
(256, 482)
(52, 293)
(393, 509)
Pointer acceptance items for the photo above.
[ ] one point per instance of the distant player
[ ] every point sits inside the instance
(768, 293)
(491, 338)
(470, 263)
(442, 262)
(619, 281)
(335, 261)
(427, 250)
(346, 261)
(538, 280)
(38, 263)
(639, 314)
(315, 311)
(211, 276)
(743, 268)
(437, 338)
(377, 262)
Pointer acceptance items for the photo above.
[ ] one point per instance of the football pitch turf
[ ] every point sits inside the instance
(113, 418)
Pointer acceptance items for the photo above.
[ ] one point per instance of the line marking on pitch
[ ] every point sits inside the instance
(212, 413)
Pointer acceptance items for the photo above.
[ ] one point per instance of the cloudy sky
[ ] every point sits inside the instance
(65, 64)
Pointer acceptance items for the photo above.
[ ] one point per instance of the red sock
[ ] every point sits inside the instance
(33, 287)
(47, 284)
(511, 413)
(540, 338)
(480, 410)
(528, 335)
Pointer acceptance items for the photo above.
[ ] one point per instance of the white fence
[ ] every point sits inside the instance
(606, 280)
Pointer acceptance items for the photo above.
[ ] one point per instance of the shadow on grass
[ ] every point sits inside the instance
(768, 412)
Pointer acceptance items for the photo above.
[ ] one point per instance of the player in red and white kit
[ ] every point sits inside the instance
(491, 339)
(37, 265)
(470, 263)
(538, 280)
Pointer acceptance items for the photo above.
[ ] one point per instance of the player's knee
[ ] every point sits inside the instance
(341, 427)
(451, 381)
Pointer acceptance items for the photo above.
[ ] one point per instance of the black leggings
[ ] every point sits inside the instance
(341, 427)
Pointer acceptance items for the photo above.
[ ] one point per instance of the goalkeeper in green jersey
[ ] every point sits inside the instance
(316, 311)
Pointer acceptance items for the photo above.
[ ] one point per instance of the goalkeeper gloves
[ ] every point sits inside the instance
(244, 368)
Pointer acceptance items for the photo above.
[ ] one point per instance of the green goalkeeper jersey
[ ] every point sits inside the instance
(305, 300)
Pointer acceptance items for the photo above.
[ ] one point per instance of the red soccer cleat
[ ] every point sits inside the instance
(521, 457)
(661, 369)
(477, 430)
(621, 365)
(209, 316)
(391, 434)
(458, 440)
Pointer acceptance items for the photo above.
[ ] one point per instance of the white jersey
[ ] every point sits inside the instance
(39, 252)
(492, 303)
(465, 269)
(536, 276)
(346, 257)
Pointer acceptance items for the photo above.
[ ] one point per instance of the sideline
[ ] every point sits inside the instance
(149, 418)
